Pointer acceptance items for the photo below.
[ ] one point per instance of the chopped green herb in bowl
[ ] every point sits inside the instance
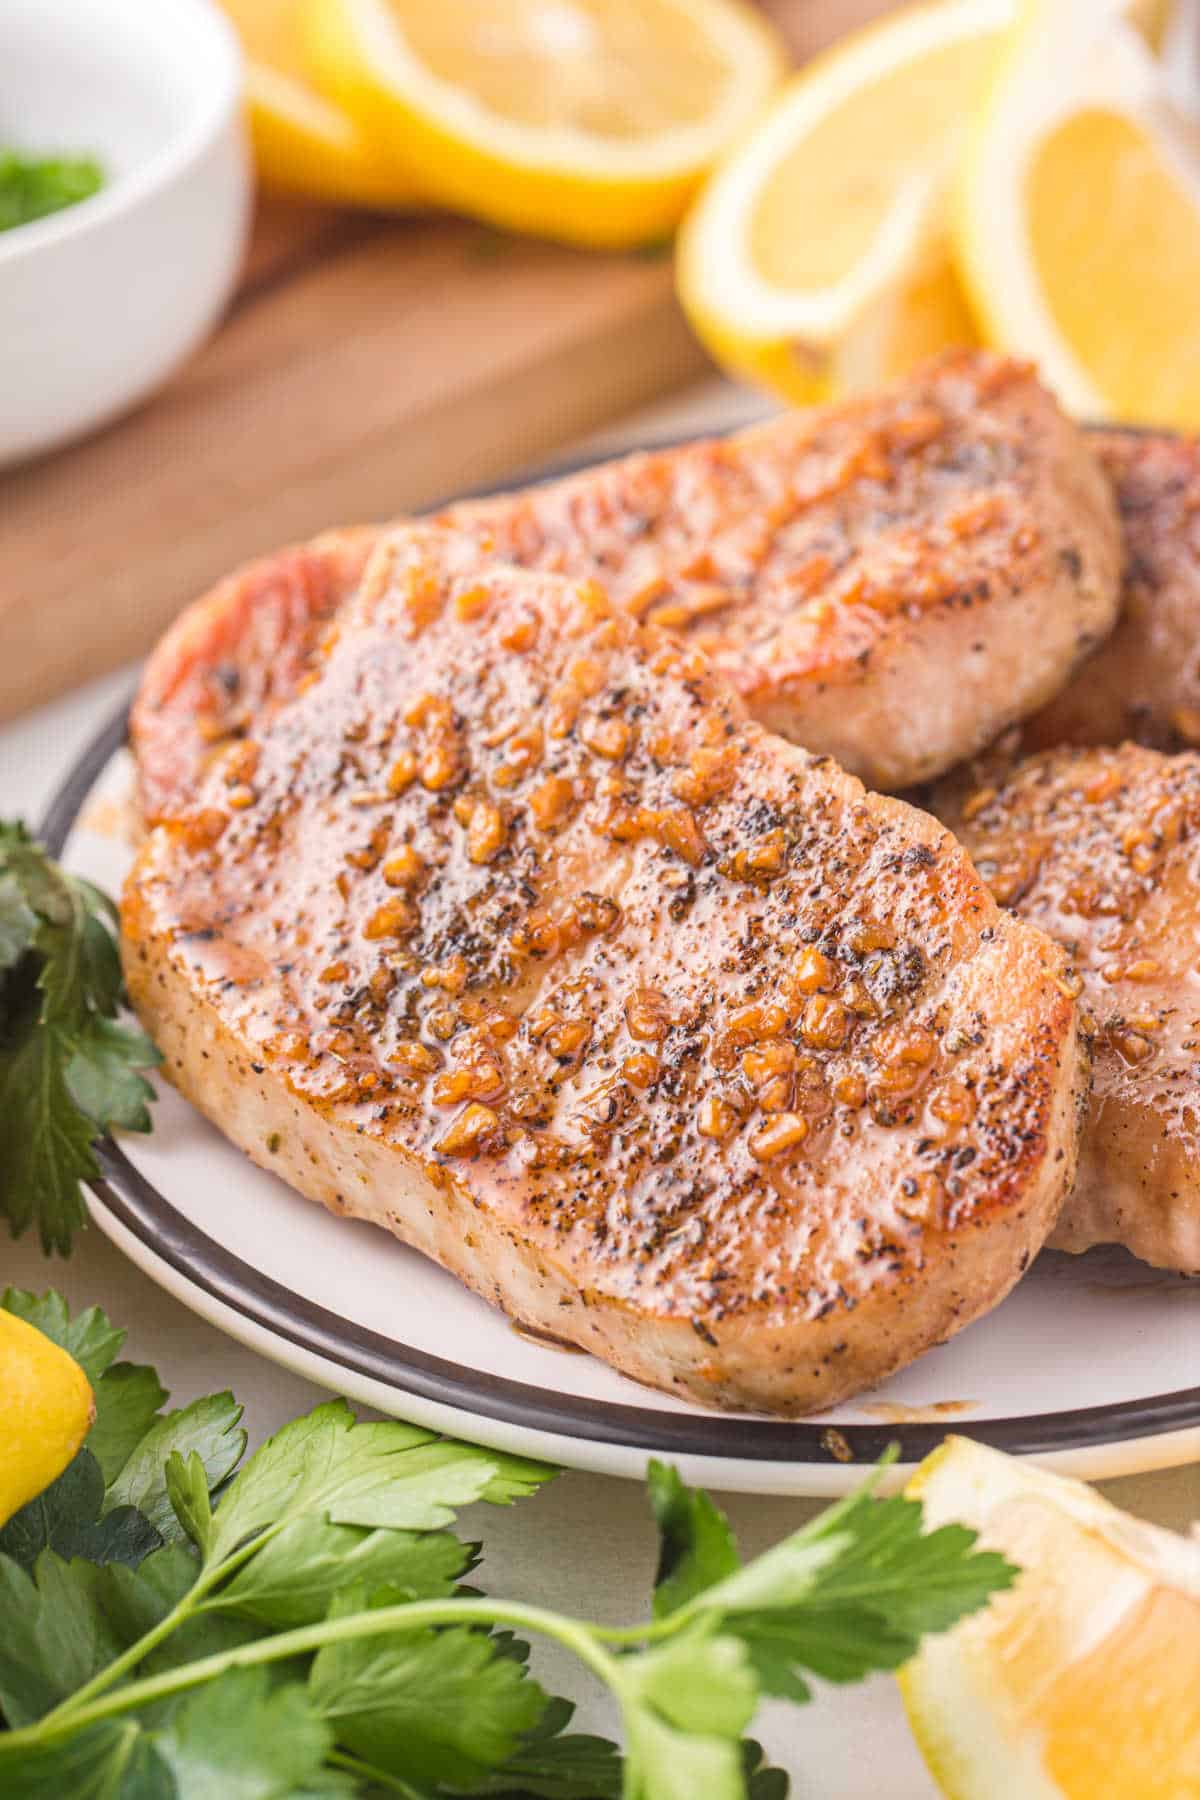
(31, 187)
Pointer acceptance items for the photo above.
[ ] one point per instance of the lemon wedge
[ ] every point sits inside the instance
(46, 1410)
(816, 260)
(1081, 1680)
(591, 121)
(1079, 216)
(303, 142)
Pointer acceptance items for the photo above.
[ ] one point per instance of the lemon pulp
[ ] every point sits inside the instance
(1116, 240)
(821, 207)
(618, 69)
(1083, 1678)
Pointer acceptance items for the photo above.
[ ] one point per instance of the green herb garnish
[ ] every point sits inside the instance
(33, 186)
(68, 1070)
(173, 1626)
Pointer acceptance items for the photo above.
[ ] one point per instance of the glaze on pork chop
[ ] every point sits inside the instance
(1144, 683)
(513, 934)
(891, 582)
(1101, 848)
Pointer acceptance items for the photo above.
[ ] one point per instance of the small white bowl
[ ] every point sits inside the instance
(100, 301)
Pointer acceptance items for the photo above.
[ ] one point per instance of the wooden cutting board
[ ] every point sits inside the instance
(366, 367)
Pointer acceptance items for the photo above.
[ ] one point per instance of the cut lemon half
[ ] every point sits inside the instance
(816, 260)
(303, 142)
(591, 121)
(1079, 216)
(1081, 1680)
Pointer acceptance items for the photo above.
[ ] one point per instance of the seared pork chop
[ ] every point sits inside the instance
(891, 582)
(1144, 683)
(512, 933)
(1101, 848)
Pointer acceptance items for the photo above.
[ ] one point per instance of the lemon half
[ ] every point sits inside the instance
(1079, 216)
(591, 121)
(1082, 1680)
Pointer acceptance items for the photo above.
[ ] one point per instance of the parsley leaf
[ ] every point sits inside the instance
(136, 1601)
(45, 1141)
(782, 1577)
(696, 1681)
(919, 1580)
(103, 1077)
(18, 921)
(554, 1764)
(55, 1637)
(685, 1704)
(762, 1781)
(854, 1592)
(66, 1517)
(243, 1740)
(360, 1474)
(697, 1547)
(68, 1071)
(128, 1399)
(209, 1428)
(431, 1706)
(187, 1490)
(102, 1762)
(296, 1576)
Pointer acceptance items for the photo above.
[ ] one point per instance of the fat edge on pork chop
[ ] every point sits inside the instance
(513, 934)
(891, 582)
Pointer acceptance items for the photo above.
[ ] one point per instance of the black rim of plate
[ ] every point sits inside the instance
(200, 1260)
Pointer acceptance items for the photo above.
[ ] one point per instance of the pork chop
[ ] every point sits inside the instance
(513, 934)
(1144, 683)
(891, 582)
(1101, 848)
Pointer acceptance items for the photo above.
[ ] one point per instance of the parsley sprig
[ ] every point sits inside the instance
(173, 1625)
(69, 1071)
(31, 187)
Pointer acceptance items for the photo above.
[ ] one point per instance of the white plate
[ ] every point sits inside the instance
(1092, 1363)
(104, 298)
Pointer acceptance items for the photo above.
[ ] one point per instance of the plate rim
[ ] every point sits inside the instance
(268, 1304)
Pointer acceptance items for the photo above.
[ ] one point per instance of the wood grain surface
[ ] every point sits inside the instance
(366, 367)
